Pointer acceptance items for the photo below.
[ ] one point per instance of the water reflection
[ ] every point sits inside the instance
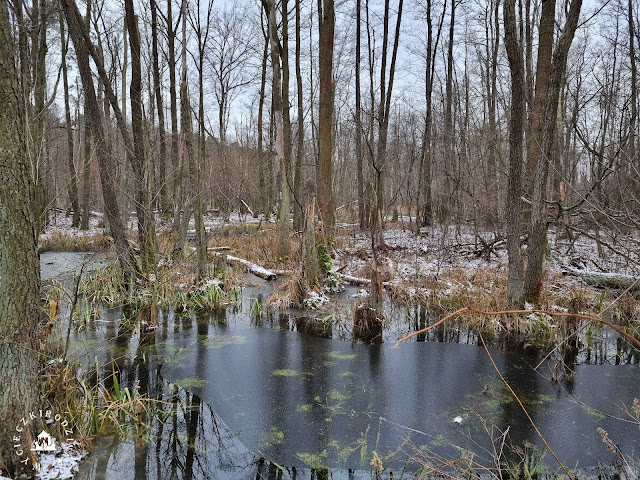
(291, 393)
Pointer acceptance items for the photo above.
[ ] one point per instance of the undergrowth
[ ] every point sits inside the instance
(58, 242)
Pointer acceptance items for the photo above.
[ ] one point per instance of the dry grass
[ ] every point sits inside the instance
(290, 293)
(259, 248)
(94, 407)
(58, 242)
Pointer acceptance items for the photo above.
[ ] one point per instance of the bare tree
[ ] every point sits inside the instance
(73, 183)
(106, 161)
(157, 88)
(538, 226)
(297, 181)
(202, 36)
(513, 207)
(284, 227)
(139, 160)
(384, 111)
(326, 26)
(263, 171)
(426, 155)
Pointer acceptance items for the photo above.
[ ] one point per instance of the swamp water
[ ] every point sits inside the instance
(253, 397)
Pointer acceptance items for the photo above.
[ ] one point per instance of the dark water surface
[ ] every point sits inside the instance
(248, 397)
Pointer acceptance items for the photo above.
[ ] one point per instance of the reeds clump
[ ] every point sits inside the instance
(94, 404)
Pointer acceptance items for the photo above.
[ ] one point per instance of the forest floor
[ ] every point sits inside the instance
(448, 265)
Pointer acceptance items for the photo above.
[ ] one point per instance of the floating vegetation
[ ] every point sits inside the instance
(315, 461)
(306, 408)
(341, 356)
(285, 372)
(273, 437)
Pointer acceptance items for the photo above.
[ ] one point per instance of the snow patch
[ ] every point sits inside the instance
(61, 464)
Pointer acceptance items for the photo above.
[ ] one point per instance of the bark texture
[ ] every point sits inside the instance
(538, 226)
(514, 205)
(19, 265)
(326, 25)
(139, 161)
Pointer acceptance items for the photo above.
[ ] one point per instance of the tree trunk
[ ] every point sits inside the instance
(538, 226)
(38, 70)
(426, 152)
(326, 25)
(19, 266)
(139, 159)
(163, 201)
(297, 181)
(188, 154)
(447, 197)
(383, 122)
(86, 174)
(493, 43)
(264, 182)
(283, 224)
(175, 159)
(196, 179)
(634, 95)
(543, 66)
(513, 203)
(362, 216)
(73, 182)
(106, 161)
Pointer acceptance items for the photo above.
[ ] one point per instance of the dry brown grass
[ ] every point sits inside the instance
(59, 242)
(257, 247)
(289, 294)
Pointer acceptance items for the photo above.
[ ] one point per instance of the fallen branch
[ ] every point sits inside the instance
(355, 280)
(535, 310)
(605, 279)
(252, 267)
(218, 249)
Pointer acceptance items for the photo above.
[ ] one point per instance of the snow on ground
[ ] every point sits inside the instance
(446, 258)
(442, 256)
(61, 464)
(60, 224)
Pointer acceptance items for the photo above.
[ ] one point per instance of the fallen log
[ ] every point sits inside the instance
(606, 280)
(355, 280)
(252, 267)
